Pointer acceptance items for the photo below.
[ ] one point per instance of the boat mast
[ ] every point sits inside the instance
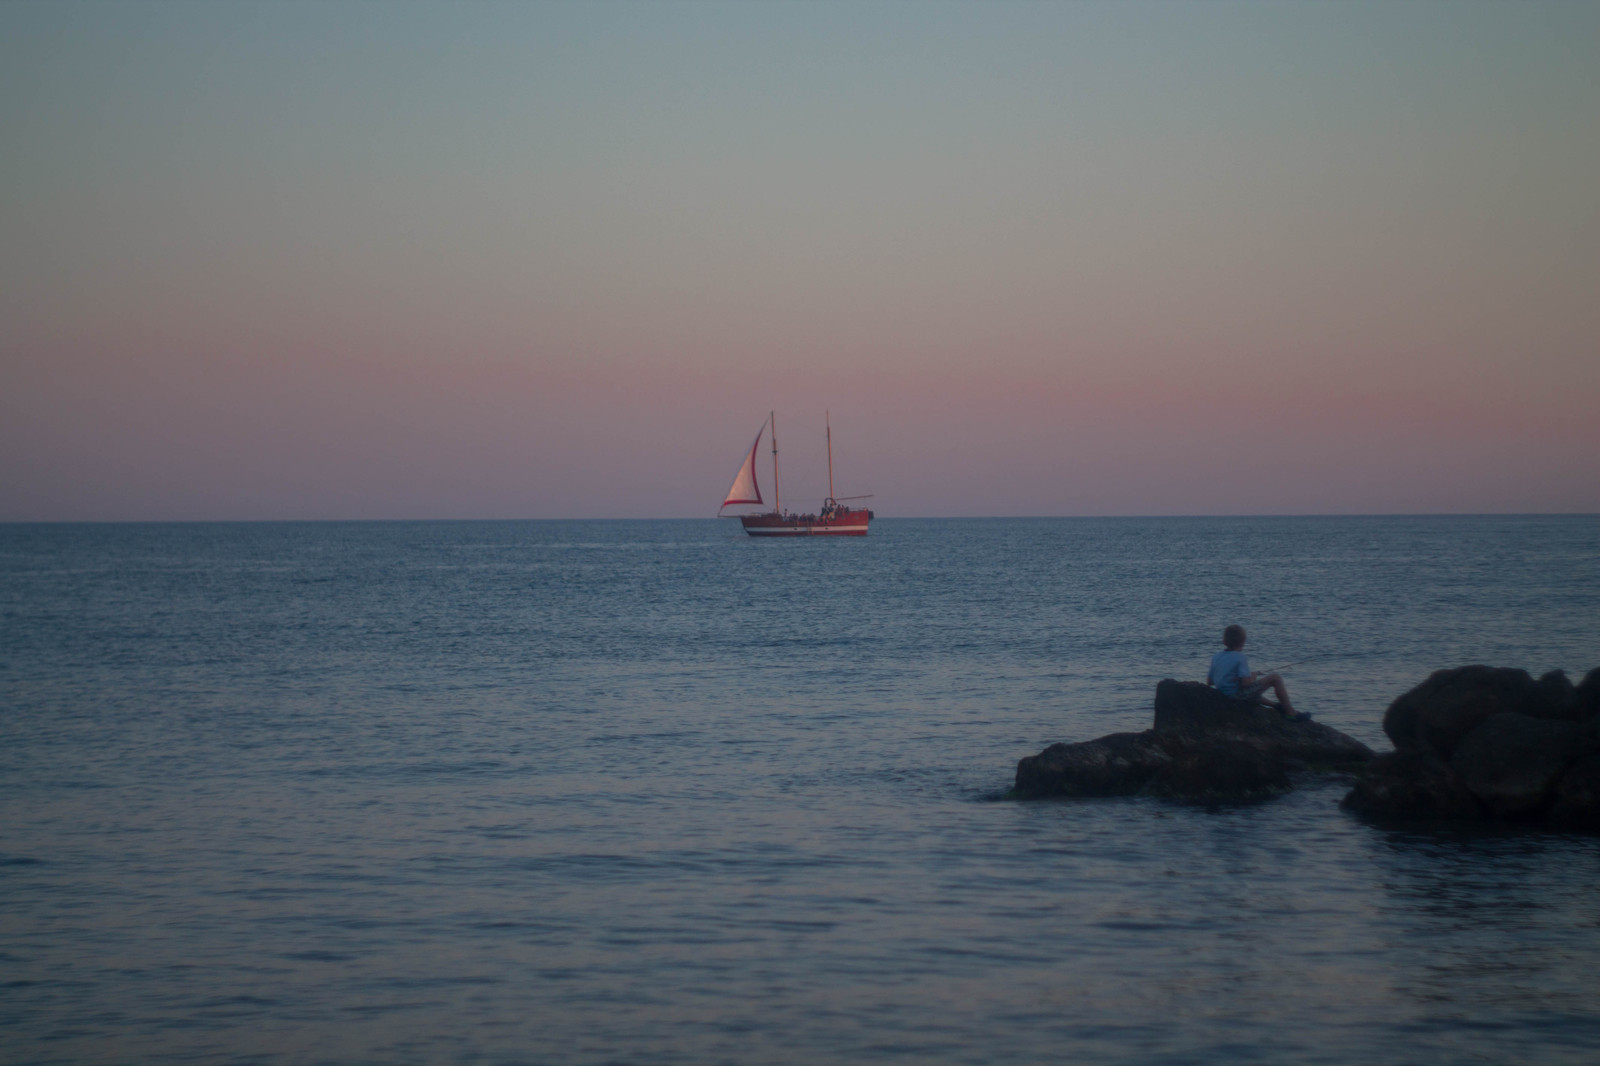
(777, 495)
(829, 428)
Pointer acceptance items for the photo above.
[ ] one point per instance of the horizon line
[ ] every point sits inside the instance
(917, 518)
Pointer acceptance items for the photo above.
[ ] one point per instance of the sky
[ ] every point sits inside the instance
(546, 260)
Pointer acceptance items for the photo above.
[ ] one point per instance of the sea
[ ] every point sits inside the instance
(656, 792)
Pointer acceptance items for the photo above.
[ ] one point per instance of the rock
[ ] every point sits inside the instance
(1220, 774)
(1575, 800)
(1472, 742)
(1484, 742)
(1202, 714)
(1558, 695)
(1116, 765)
(1512, 761)
(1411, 784)
(1586, 697)
(1204, 747)
(1438, 714)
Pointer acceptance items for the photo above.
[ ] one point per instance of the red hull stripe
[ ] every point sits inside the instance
(846, 524)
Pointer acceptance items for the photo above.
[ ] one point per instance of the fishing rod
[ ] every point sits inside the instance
(1313, 659)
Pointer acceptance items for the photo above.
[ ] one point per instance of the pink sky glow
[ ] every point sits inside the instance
(543, 261)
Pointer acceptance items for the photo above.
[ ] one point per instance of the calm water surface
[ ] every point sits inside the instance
(628, 792)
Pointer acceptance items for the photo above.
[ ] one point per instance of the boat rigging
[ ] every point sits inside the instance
(834, 519)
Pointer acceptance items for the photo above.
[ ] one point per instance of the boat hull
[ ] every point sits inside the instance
(842, 524)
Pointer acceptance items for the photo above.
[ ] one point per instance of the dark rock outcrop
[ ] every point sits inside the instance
(1558, 695)
(1204, 748)
(1483, 742)
(1220, 774)
(1575, 800)
(1412, 782)
(1511, 762)
(1116, 765)
(1439, 713)
(1191, 713)
(1470, 743)
(1586, 697)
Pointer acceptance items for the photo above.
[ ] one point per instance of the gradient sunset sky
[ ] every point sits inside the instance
(545, 260)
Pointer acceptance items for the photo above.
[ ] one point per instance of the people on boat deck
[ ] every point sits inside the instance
(1230, 674)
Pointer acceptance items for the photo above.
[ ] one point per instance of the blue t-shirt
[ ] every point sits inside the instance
(1227, 667)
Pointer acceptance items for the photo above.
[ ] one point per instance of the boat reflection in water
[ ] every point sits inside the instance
(834, 520)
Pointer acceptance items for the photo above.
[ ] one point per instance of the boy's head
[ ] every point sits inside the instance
(1233, 638)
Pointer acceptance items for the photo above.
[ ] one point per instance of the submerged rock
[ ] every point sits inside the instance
(1204, 747)
(1485, 742)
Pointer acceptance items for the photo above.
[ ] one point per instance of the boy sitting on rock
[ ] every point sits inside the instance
(1230, 675)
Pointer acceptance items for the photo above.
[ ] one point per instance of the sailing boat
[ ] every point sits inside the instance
(834, 520)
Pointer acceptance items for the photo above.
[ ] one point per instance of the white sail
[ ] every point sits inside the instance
(744, 488)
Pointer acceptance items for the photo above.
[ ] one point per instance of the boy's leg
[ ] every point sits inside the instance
(1275, 682)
